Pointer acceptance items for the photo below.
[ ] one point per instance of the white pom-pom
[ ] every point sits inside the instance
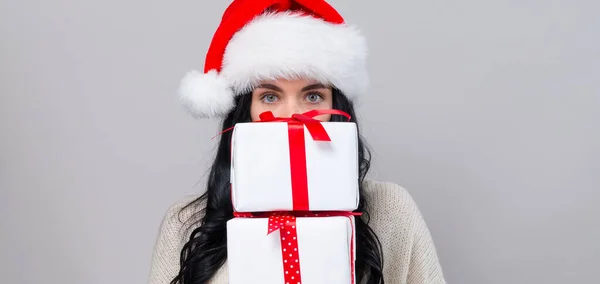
(206, 95)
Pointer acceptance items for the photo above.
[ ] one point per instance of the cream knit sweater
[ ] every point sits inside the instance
(409, 253)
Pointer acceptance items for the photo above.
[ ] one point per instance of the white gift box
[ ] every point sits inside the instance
(324, 245)
(261, 178)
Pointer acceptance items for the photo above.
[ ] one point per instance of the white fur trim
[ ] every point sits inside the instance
(206, 95)
(287, 45)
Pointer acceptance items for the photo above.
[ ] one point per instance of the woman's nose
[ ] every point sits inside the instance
(290, 109)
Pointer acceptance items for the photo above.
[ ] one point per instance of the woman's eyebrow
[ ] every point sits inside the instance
(313, 87)
(270, 86)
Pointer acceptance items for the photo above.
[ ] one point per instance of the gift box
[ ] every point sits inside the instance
(285, 166)
(318, 250)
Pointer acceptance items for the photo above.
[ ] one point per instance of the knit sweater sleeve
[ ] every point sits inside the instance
(169, 242)
(410, 255)
(424, 266)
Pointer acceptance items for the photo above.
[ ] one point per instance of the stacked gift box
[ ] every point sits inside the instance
(294, 187)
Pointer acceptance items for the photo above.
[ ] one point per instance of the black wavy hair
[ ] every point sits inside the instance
(206, 250)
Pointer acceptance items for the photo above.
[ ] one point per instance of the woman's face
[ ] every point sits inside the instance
(287, 97)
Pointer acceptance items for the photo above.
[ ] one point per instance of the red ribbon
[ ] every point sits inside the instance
(297, 146)
(285, 222)
(299, 174)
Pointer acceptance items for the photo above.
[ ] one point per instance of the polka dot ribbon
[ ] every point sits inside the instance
(285, 222)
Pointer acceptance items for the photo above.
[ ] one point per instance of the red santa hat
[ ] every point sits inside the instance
(270, 39)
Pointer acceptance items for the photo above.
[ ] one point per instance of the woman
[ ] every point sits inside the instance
(286, 57)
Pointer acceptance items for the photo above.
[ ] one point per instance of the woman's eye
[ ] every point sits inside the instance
(314, 97)
(269, 98)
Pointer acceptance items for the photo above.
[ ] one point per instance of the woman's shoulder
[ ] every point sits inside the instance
(181, 214)
(387, 194)
(386, 201)
(375, 187)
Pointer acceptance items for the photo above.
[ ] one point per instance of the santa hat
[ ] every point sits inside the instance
(270, 39)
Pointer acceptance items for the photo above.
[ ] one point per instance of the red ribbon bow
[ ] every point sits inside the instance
(285, 222)
(314, 126)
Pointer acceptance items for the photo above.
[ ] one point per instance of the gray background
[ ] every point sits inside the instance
(486, 111)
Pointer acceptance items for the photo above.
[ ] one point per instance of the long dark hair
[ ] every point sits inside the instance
(206, 250)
